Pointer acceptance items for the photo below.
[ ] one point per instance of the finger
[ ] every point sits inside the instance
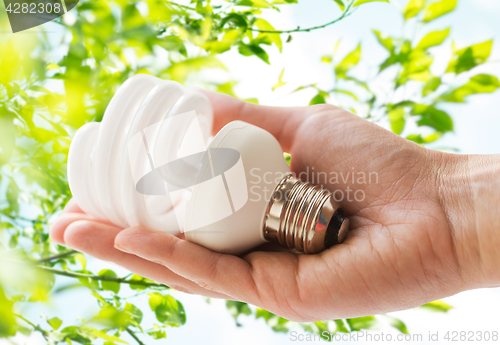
(282, 122)
(225, 274)
(73, 207)
(97, 240)
(57, 228)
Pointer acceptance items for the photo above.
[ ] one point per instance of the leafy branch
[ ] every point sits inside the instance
(57, 256)
(347, 12)
(102, 278)
(43, 332)
(189, 8)
(136, 338)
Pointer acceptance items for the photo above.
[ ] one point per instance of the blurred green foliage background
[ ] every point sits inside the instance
(51, 83)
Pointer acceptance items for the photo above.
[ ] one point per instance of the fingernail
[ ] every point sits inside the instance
(122, 249)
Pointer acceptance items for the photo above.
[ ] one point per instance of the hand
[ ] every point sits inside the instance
(413, 239)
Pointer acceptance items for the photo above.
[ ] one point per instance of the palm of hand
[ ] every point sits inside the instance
(399, 251)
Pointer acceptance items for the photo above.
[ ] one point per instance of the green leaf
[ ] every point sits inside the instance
(158, 333)
(52, 66)
(280, 80)
(253, 49)
(318, 99)
(167, 309)
(134, 312)
(348, 93)
(112, 317)
(288, 157)
(365, 322)
(237, 308)
(110, 339)
(262, 24)
(417, 67)
(251, 100)
(437, 306)
(55, 323)
(138, 287)
(341, 326)
(81, 259)
(433, 117)
(227, 41)
(107, 285)
(413, 8)
(340, 4)
(359, 82)
(83, 335)
(277, 323)
(433, 39)
(482, 83)
(386, 42)
(236, 19)
(13, 196)
(398, 324)
(397, 120)
(431, 86)
(417, 138)
(7, 136)
(180, 71)
(172, 43)
(361, 2)
(254, 3)
(8, 323)
(438, 9)
(155, 300)
(467, 58)
(351, 60)
(14, 240)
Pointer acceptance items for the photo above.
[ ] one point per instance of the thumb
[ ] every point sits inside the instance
(282, 122)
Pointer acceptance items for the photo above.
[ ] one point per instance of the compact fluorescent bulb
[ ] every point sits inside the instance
(150, 162)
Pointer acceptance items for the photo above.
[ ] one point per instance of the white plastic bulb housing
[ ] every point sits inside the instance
(241, 193)
(250, 198)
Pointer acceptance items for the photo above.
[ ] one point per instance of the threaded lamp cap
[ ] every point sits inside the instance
(304, 217)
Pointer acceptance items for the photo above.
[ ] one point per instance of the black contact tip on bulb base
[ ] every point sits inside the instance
(337, 229)
(304, 217)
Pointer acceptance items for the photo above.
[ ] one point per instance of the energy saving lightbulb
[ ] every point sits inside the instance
(248, 179)
(151, 162)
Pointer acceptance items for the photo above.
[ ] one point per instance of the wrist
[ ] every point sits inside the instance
(469, 192)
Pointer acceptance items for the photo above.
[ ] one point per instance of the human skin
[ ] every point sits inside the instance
(429, 228)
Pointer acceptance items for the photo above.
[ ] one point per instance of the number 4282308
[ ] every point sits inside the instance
(41, 7)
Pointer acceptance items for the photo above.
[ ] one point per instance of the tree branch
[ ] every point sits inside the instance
(101, 278)
(44, 333)
(57, 256)
(181, 6)
(345, 14)
(132, 334)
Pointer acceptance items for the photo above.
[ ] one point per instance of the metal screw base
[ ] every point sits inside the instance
(304, 217)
